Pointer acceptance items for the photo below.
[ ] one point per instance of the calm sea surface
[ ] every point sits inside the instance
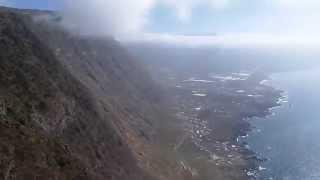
(290, 138)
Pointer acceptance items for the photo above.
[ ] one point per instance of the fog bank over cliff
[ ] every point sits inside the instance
(281, 24)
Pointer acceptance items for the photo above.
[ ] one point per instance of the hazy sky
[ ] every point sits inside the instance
(263, 21)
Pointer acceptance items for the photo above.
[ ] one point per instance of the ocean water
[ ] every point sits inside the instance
(290, 138)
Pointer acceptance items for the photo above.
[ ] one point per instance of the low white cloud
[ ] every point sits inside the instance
(5, 3)
(289, 23)
(123, 17)
(298, 4)
(295, 17)
(106, 17)
(184, 8)
(236, 40)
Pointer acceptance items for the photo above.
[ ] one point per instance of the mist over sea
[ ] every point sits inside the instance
(289, 138)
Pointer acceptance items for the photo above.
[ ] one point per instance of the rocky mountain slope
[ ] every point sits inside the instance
(76, 107)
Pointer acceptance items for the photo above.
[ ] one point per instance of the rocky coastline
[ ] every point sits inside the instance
(215, 111)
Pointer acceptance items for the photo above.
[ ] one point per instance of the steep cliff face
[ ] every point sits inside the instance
(71, 107)
(119, 84)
